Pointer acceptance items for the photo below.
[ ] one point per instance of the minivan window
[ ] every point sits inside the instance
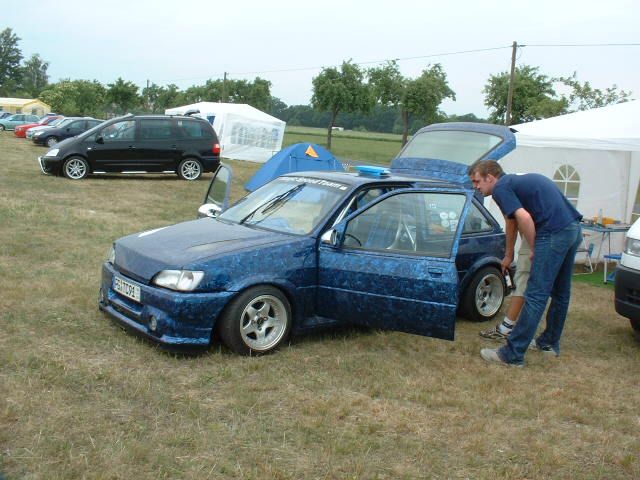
(119, 131)
(156, 129)
(194, 129)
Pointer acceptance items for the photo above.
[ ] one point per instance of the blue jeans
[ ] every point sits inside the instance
(551, 273)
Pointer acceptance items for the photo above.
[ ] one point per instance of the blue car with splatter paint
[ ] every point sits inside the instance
(406, 248)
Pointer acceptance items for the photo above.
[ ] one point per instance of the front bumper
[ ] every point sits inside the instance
(183, 319)
(49, 165)
(627, 297)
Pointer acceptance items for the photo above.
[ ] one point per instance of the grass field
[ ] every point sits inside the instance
(82, 399)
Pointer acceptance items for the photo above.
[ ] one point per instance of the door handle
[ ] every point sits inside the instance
(131, 147)
(435, 271)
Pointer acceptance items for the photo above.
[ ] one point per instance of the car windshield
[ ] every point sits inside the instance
(457, 146)
(56, 122)
(288, 204)
(65, 121)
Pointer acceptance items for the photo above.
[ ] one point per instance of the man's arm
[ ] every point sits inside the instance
(526, 226)
(510, 229)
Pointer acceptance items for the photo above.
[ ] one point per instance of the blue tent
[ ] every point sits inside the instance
(299, 157)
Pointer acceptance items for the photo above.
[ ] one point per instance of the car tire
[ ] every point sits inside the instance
(256, 322)
(51, 141)
(484, 295)
(2, 128)
(190, 169)
(75, 168)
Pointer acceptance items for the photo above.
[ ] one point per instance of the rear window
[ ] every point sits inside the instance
(194, 129)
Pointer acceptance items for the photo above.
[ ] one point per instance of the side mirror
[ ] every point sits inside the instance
(209, 210)
(330, 237)
(100, 140)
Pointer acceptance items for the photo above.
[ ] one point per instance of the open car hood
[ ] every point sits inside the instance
(444, 151)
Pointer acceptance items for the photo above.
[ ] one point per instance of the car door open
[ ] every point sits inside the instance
(392, 264)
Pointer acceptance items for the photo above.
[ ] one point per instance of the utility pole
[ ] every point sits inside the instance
(224, 88)
(512, 80)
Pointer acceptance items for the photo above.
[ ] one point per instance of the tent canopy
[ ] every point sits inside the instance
(614, 127)
(299, 157)
(244, 132)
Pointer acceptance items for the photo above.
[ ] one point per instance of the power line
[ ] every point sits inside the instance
(443, 54)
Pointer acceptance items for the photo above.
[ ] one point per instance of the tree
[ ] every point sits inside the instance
(583, 96)
(123, 96)
(169, 97)
(343, 90)
(150, 96)
(76, 97)
(533, 96)
(418, 98)
(10, 57)
(34, 76)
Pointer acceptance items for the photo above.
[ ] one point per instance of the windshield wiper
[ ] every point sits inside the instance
(274, 203)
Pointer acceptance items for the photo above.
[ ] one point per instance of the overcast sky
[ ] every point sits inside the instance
(287, 42)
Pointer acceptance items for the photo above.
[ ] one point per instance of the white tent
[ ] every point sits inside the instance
(593, 155)
(244, 132)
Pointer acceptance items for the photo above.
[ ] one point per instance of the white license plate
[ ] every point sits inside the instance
(127, 289)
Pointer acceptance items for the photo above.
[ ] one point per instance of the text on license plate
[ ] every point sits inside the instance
(127, 289)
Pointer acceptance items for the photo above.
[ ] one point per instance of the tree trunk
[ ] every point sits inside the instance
(405, 127)
(330, 130)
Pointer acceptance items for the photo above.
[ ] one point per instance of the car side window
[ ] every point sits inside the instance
(123, 130)
(193, 129)
(404, 223)
(476, 222)
(155, 129)
(76, 126)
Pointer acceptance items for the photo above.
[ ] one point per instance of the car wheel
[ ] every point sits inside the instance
(190, 169)
(51, 141)
(257, 321)
(75, 168)
(484, 296)
(2, 128)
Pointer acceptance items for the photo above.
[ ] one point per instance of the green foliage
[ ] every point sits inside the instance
(418, 99)
(122, 96)
(10, 57)
(76, 97)
(583, 96)
(533, 96)
(34, 76)
(341, 90)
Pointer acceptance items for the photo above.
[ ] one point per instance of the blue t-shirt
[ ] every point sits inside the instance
(538, 195)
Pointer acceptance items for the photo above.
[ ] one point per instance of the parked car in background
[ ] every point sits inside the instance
(627, 296)
(69, 127)
(5, 114)
(12, 121)
(21, 130)
(32, 131)
(184, 145)
(404, 249)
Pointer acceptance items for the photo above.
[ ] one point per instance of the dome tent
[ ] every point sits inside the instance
(244, 132)
(299, 157)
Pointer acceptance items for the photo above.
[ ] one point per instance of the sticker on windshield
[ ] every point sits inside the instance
(315, 181)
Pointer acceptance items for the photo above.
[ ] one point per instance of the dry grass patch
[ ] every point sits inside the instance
(83, 399)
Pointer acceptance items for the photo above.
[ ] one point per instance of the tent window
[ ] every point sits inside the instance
(568, 181)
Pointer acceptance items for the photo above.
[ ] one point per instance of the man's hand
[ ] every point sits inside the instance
(506, 263)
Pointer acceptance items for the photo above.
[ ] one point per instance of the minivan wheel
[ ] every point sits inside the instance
(75, 168)
(190, 169)
(51, 141)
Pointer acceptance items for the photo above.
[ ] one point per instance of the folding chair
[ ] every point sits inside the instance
(588, 251)
(616, 257)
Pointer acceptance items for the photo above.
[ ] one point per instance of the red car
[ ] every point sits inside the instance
(21, 130)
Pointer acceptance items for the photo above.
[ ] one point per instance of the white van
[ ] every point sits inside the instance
(627, 297)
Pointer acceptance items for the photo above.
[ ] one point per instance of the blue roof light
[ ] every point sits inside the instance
(373, 171)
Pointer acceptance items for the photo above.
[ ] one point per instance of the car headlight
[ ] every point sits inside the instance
(53, 152)
(181, 280)
(112, 256)
(632, 247)
(37, 134)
